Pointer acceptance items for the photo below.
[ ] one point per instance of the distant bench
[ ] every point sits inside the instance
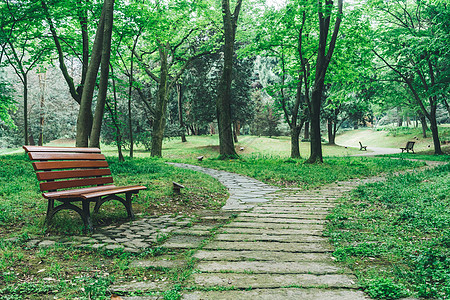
(77, 175)
(409, 146)
(361, 147)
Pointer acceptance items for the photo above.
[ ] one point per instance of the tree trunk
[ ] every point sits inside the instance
(84, 121)
(161, 105)
(331, 132)
(180, 113)
(295, 143)
(104, 74)
(434, 127)
(316, 138)
(446, 106)
(323, 60)
(235, 132)
(223, 102)
(25, 107)
(423, 121)
(306, 137)
(399, 117)
(42, 81)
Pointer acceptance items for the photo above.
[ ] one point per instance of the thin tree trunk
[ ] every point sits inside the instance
(84, 121)
(295, 141)
(114, 117)
(323, 60)
(306, 137)
(130, 125)
(161, 105)
(434, 127)
(423, 121)
(446, 106)
(104, 76)
(25, 107)
(331, 125)
(180, 112)
(235, 135)
(42, 83)
(399, 117)
(223, 103)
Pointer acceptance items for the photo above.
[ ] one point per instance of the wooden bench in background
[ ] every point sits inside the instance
(361, 147)
(409, 146)
(71, 175)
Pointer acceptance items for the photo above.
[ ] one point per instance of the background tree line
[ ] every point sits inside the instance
(134, 72)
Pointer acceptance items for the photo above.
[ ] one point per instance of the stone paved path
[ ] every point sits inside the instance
(245, 192)
(276, 251)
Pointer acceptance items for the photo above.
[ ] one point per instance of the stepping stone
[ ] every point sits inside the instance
(272, 231)
(271, 267)
(183, 242)
(286, 293)
(278, 220)
(169, 264)
(263, 225)
(242, 281)
(249, 255)
(270, 238)
(283, 215)
(132, 287)
(270, 246)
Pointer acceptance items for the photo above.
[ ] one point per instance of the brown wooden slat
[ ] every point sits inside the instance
(56, 185)
(117, 190)
(54, 165)
(72, 174)
(60, 149)
(76, 192)
(65, 156)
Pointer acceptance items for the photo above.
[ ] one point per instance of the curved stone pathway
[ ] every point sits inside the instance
(245, 192)
(276, 251)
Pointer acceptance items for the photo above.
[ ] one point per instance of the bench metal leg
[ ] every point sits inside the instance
(84, 212)
(126, 202)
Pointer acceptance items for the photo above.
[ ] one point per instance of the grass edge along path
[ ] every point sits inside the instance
(395, 239)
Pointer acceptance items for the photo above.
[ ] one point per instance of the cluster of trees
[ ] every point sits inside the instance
(148, 69)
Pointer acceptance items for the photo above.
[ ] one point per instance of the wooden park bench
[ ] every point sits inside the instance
(71, 175)
(409, 146)
(361, 147)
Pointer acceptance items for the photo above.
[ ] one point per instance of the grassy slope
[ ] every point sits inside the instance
(395, 235)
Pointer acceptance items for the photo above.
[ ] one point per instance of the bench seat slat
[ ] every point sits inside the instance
(65, 156)
(121, 189)
(61, 149)
(56, 185)
(72, 174)
(76, 192)
(53, 165)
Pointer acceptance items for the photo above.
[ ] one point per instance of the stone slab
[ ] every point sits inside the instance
(264, 219)
(263, 225)
(284, 215)
(162, 263)
(272, 231)
(249, 255)
(146, 286)
(291, 210)
(183, 242)
(270, 246)
(271, 294)
(242, 281)
(269, 238)
(271, 267)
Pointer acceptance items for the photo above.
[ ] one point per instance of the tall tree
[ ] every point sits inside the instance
(100, 56)
(323, 60)
(412, 42)
(223, 102)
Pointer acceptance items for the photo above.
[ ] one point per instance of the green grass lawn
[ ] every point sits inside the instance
(395, 235)
(76, 271)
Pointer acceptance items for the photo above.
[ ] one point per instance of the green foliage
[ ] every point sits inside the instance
(385, 288)
(395, 234)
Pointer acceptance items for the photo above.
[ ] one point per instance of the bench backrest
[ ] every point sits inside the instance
(409, 145)
(67, 167)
